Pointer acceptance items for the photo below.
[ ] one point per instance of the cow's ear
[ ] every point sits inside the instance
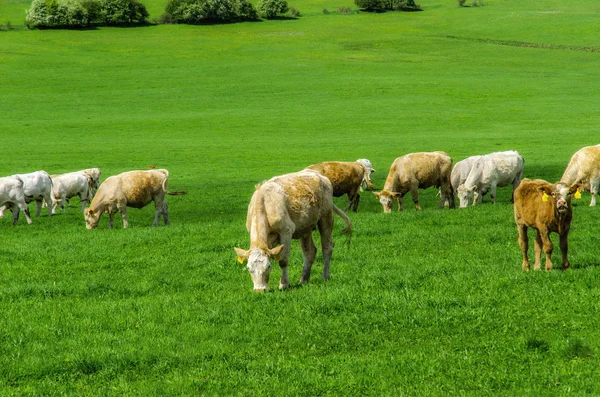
(472, 188)
(377, 194)
(275, 253)
(547, 189)
(576, 187)
(89, 212)
(395, 195)
(242, 255)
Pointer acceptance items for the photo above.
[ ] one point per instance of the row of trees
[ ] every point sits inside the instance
(84, 13)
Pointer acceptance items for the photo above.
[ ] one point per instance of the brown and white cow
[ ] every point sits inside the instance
(12, 195)
(345, 178)
(289, 207)
(130, 189)
(547, 208)
(416, 171)
(584, 167)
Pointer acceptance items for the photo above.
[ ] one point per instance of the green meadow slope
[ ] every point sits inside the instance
(430, 302)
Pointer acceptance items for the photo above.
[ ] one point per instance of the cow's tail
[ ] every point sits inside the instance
(348, 229)
(164, 186)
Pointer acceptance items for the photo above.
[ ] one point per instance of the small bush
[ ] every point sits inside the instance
(56, 14)
(203, 11)
(271, 8)
(344, 10)
(294, 12)
(118, 12)
(325, 11)
(388, 5)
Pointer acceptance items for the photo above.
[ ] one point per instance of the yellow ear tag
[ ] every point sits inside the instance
(240, 260)
(577, 194)
(545, 197)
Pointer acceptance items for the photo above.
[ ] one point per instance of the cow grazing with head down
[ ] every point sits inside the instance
(289, 207)
(416, 171)
(130, 189)
(37, 186)
(12, 195)
(489, 172)
(345, 178)
(547, 208)
(584, 168)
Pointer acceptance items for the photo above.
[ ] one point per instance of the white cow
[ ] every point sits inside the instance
(70, 185)
(366, 183)
(489, 172)
(584, 167)
(95, 174)
(460, 172)
(37, 186)
(13, 196)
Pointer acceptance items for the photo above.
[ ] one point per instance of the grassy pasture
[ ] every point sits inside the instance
(430, 302)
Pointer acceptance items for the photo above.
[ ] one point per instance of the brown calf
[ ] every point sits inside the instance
(546, 208)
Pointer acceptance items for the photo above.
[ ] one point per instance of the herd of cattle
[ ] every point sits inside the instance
(292, 206)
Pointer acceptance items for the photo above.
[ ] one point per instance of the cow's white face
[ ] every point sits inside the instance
(386, 200)
(91, 219)
(259, 265)
(465, 195)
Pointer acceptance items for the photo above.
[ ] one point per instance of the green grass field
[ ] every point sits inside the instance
(421, 303)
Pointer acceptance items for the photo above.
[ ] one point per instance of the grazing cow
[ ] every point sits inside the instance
(94, 173)
(12, 195)
(130, 189)
(488, 172)
(345, 178)
(546, 208)
(37, 186)
(584, 167)
(413, 172)
(284, 208)
(69, 185)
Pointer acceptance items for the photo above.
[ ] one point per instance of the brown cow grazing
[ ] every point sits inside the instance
(416, 171)
(284, 208)
(345, 178)
(584, 167)
(130, 189)
(546, 208)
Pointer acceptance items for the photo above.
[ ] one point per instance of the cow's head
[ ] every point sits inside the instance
(560, 194)
(465, 195)
(259, 264)
(91, 218)
(386, 199)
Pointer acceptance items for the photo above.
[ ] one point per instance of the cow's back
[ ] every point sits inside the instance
(134, 188)
(344, 176)
(294, 201)
(583, 165)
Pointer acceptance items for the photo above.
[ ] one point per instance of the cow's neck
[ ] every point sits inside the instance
(259, 231)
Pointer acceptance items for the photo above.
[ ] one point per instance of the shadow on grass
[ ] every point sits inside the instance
(585, 265)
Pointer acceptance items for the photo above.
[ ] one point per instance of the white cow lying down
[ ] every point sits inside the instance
(13, 196)
(37, 186)
(289, 207)
(130, 189)
(490, 171)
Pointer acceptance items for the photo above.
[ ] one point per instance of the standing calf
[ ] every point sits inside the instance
(546, 208)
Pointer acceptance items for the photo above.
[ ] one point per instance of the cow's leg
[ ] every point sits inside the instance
(524, 244)
(538, 251)
(325, 225)
(157, 213)
(284, 256)
(48, 199)
(547, 244)
(350, 199)
(111, 219)
(38, 205)
(309, 251)
(16, 210)
(123, 210)
(165, 213)
(594, 190)
(400, 199)
(4, 208)
(356, 201)
(564, 249)
(414, 191)
(493, 192)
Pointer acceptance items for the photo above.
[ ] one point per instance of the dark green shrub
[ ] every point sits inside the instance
(204, 11)
(271, 8)
(294, 12)
(118, 12)
(387, 5)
